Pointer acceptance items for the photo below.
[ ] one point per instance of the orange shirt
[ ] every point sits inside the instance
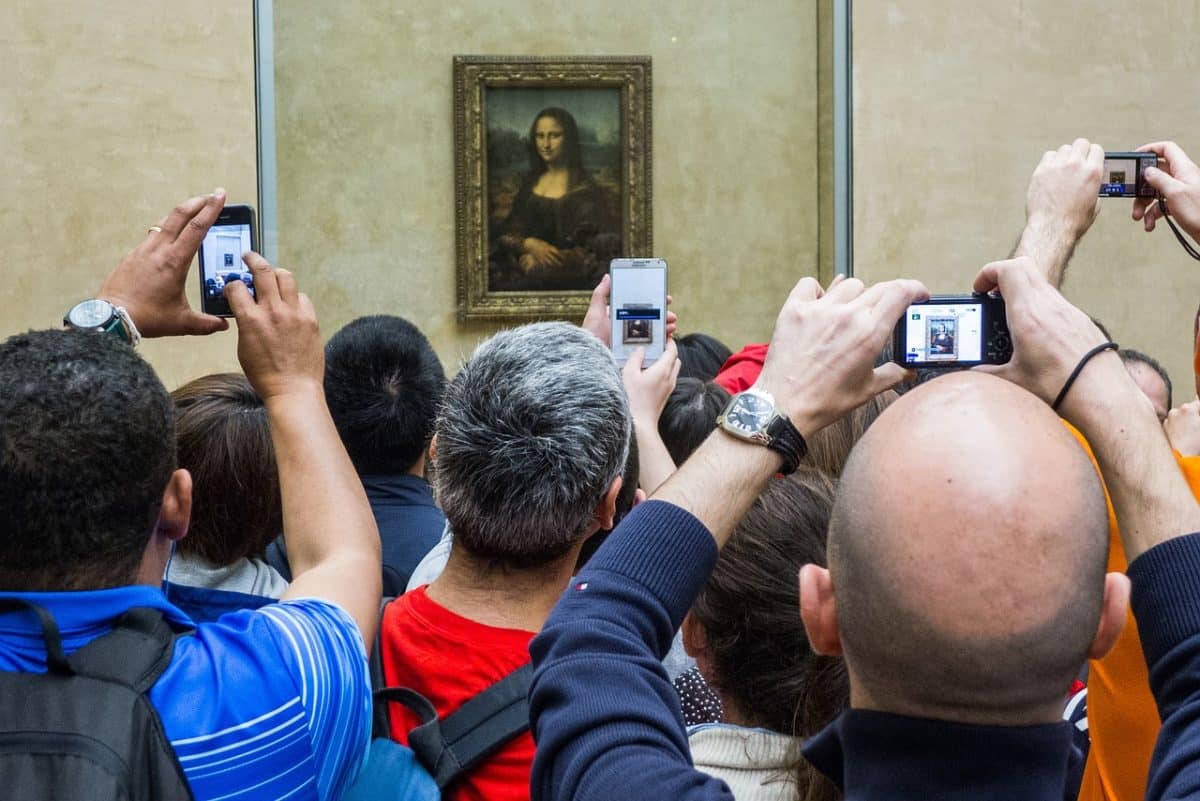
(1122, 716)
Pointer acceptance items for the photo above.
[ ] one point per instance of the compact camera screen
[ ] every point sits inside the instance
(943, 333)
(1122, 176)
(221, 263)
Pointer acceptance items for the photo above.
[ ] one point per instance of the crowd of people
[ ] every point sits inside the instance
(930, 584)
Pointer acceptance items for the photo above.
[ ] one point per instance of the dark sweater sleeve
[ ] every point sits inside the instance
(1166, 604)
(603, 712)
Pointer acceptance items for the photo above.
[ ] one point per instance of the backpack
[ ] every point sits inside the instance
(85, 728)
(443, 750)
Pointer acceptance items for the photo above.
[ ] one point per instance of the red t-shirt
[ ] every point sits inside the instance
(741, 370)
(449, 659)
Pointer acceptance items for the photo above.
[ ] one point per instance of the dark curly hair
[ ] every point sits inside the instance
(87, 446)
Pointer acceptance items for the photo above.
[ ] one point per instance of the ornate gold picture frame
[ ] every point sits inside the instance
(551, 179)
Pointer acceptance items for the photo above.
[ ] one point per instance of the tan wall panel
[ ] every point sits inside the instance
(110, 113)
(954, 104)
(365, 148)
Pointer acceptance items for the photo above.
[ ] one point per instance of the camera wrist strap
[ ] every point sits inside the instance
(1187, 246)
(1087, 357)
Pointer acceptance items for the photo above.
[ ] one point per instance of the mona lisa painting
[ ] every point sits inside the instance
(552, 180)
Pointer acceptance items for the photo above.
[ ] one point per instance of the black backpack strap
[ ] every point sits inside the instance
(379, 725)
(451, 747)
(56, 659)
(134, 653)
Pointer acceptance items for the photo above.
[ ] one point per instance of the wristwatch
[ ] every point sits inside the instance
(100, 315)
(753, 416)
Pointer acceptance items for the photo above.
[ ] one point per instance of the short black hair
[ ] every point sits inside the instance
(383, 384)
(1129, 355)
(701, 356)
(87, 446)
(690, 415)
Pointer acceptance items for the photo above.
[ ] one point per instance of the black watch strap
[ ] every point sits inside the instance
(788, 442)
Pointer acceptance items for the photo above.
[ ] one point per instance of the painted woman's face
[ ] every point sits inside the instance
(548, 138)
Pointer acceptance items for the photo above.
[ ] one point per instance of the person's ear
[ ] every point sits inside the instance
(606, 510)
(1112, 615)
(818, 610)
(695, 638)
(176, 510)
(695, 643)
(433, 448)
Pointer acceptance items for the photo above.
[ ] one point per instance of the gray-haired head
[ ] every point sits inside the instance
(532, 432)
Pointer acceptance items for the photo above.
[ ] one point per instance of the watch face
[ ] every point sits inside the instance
(90, 314)
(750, 413)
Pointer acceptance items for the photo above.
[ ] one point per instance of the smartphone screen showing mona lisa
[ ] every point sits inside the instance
(638, 300)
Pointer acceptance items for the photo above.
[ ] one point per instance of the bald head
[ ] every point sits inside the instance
(967, 550)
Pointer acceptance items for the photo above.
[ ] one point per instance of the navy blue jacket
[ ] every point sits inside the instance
(410, 524)
(607, 721)
(1166, 603)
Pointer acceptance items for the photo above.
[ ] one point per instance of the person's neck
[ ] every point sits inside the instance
(732, 713)
(417, 469)
(498, 596)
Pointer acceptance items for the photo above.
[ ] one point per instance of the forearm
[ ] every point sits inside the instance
(720, 481)
(655, 464)
(1150, 496)
(326, 516)
(1050, 245)
(602, 708)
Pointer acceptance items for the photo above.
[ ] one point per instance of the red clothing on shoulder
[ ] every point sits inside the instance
(449, 659)
(741, 370)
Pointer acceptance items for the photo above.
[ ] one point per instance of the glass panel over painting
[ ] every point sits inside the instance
(732, 152)
(553, 185)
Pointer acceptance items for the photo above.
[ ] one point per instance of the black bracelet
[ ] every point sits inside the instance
(1087, 357)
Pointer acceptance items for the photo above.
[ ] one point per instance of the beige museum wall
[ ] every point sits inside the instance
(954, 104)
(110, 113)
(365, 157)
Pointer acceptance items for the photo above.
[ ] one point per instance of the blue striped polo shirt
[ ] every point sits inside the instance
(273, 703)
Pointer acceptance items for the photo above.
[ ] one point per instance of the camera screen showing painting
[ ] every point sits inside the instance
(1122, 175)
(944, 333)
(638, 301)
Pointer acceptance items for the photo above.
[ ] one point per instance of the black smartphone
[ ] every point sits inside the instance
(221, 257)
(953, 331)
(638, 299)
(1123, 175)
